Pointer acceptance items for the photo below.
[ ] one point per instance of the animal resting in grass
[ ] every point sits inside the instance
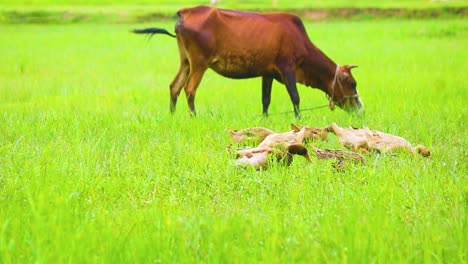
(281, 147)
(366, 139)
(240, 45)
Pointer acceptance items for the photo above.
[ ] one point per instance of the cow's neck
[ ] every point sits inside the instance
(318, 72)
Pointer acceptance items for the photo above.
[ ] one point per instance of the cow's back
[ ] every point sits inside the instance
(228, 24)
(242, 44)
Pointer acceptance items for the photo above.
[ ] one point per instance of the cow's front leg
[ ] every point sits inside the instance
(266, 93)
(289, 79)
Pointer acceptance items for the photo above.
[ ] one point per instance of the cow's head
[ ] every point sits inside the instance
(343, 90)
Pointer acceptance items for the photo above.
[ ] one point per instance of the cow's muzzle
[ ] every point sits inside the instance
(352, 104)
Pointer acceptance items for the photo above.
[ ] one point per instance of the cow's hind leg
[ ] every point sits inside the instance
(266, 93)
(179, 81)
(194, 80)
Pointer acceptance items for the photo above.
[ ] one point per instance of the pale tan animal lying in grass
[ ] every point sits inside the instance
(276, 146)
(341, 157)
(338, 154)
(253, 135)
(260, 157)
(311, 133)
(366, 139)
(283, 139)
(351, 138)
(383, 142)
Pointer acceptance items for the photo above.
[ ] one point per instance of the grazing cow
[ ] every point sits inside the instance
(239, 45)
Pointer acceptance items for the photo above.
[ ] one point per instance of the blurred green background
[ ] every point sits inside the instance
(130, 11)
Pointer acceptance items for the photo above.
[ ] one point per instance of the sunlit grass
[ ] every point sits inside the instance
(93, 168)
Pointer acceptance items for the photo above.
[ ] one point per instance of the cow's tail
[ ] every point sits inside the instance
(152, 31)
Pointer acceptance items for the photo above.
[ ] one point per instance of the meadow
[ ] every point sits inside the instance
(94, 168)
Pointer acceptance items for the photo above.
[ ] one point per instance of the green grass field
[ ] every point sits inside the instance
(93, 168)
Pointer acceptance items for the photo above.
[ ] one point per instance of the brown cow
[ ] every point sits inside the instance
(245, 45)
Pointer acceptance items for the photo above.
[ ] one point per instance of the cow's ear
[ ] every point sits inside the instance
(346, 71)
(296, 128)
